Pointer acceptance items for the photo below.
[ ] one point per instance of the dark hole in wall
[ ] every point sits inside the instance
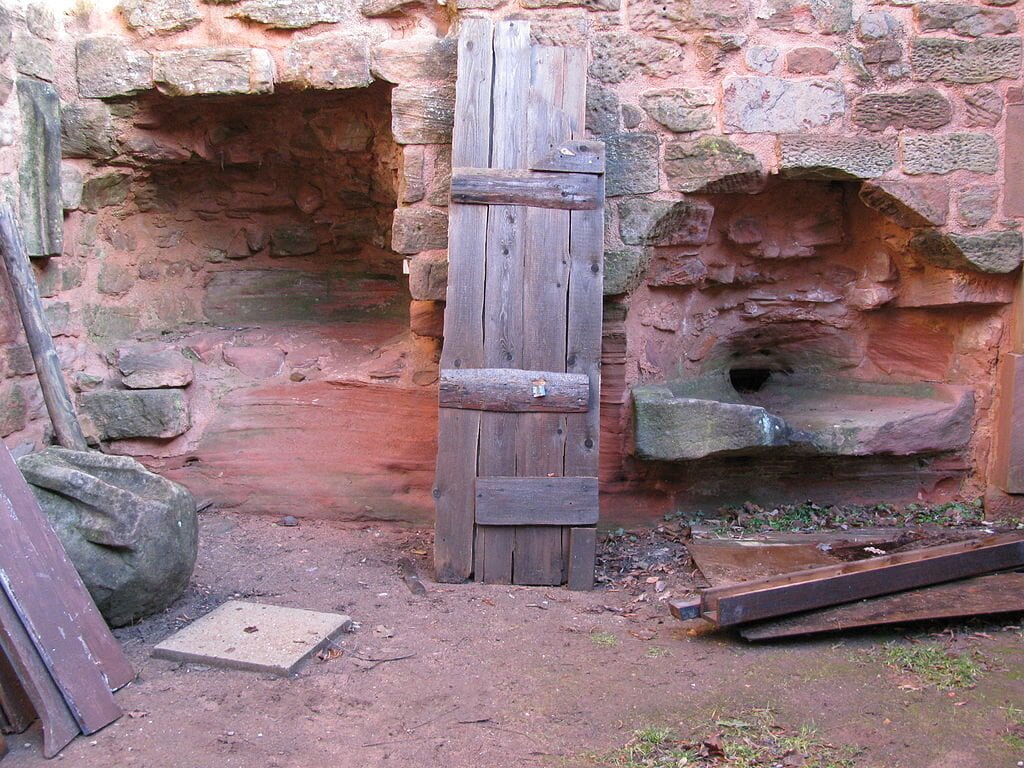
(749, 380)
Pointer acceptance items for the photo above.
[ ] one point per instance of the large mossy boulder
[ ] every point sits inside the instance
(132, 535)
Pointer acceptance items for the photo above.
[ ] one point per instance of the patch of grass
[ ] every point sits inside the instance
(951, 513)
(604, 639)
(656, 652)
(751, 518)
(1014, 736)
(652, 746)
(933, 664)
(753, 740)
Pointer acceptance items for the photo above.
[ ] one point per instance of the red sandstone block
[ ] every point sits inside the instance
(426, 318)
(1001, 506)
(1013, 161)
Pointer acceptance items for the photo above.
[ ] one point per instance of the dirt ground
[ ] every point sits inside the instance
(516, 676)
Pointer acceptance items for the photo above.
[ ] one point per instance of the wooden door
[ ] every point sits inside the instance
(516, 486)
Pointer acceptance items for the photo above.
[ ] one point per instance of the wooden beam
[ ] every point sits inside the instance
(834, 584)
(26, 296)
(572, 157)
(686, 610)
(509, 390)
(536, 500)
(534, 189)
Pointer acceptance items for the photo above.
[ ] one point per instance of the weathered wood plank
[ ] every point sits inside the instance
(582, 554)
(58, 724)
(834, 584)
(497, 542)
(576, 156)
(458, 431)
(574, 101)
(535, 189)
(503, 320)
(586, 295)
(45, 590)
(16, 710)
(511, 390)
(540, 440)
(457, 443)
(583, 350)
(584, 326)
(536, 500)
(980, 596)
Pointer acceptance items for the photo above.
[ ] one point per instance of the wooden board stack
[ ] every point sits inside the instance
(932, 582)
(59, 661)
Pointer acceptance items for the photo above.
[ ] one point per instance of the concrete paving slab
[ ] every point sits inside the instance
(252, 636)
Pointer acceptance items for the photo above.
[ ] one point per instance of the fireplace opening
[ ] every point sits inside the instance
(264, 210)
(240, 256)
(798, 326)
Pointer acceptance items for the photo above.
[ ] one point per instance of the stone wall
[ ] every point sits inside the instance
(814, 191)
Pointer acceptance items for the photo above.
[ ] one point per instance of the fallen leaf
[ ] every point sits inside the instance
(329, 654)
(251, 629)
(381, 631)
(712, 746)
(643, 634)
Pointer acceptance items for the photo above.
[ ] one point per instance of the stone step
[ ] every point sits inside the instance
(841, 419)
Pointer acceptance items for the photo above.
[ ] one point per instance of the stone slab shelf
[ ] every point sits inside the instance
(683, 421)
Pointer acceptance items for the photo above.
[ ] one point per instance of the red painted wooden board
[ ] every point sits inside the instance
(83, 657)
(16, 710)
(59, 726)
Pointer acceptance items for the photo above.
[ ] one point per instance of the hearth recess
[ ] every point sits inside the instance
(804, 340)
(248, 320)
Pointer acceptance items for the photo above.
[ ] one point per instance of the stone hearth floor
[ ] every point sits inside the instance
(473, 675)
